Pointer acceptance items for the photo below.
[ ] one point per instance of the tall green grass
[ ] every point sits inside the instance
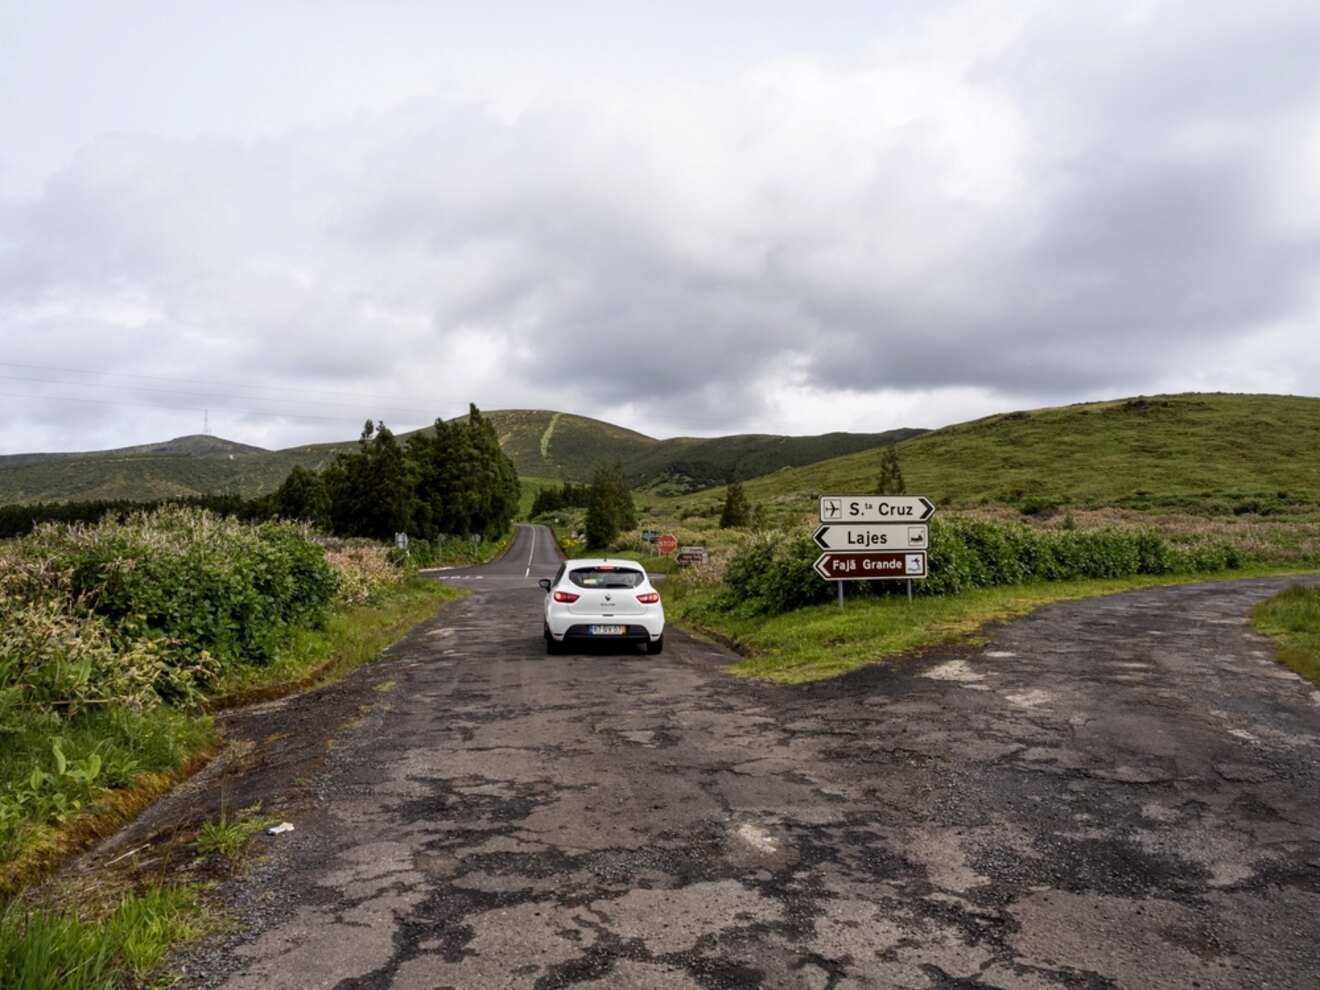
(43, 949)
(1292, 617)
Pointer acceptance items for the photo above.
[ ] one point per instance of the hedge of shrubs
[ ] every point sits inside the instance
(771, 574)
(108, 632)
(151, 607)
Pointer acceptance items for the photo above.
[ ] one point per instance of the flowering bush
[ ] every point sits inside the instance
(363, 571)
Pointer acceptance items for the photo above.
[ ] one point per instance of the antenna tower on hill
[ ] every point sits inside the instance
(206, 422)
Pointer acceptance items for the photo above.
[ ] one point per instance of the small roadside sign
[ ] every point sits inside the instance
(667, 543)
(871, 566)
(649, 535)
(401, 540)
(688, 556)
(875, 508)
(876, 536)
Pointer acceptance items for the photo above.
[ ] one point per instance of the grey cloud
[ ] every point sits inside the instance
(1091, 204)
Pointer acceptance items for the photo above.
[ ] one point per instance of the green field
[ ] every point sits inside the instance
(1210, 453)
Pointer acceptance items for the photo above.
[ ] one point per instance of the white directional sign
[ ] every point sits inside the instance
(882, 536)
(875, 508)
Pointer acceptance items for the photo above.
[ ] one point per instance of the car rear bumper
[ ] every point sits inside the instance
(633, 633)
(638, 628)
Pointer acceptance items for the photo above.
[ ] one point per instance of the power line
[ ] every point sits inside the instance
(197, 381)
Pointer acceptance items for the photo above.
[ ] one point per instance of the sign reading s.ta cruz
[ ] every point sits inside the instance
(875, 508)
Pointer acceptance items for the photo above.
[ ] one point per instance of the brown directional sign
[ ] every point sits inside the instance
(871, 566)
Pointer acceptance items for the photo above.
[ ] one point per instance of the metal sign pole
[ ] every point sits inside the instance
(840, 583)
(909, 591)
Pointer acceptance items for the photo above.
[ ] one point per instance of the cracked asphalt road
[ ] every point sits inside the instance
(1118, 792)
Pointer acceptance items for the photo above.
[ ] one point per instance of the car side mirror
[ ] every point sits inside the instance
(545, 585)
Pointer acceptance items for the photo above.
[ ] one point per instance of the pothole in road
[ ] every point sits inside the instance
(1029, 699)
(958, 671)
(757, 838)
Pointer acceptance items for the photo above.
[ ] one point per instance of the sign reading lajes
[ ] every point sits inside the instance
(873, 537)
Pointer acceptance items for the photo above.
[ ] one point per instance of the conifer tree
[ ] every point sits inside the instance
(891, 475)
(303, 496)
(737, 510)
(610, 507)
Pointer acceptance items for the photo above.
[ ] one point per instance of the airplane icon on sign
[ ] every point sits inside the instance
(831, 508)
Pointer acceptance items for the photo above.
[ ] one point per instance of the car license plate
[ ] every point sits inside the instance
(607, 630)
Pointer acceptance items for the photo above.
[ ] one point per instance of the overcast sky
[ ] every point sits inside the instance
(683, 217)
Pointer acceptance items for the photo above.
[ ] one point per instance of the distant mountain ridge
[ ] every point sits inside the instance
(188, 446)
(541, 443)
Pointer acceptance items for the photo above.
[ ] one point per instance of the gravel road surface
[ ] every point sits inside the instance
(1119, 792)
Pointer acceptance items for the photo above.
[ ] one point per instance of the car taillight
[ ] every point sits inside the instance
(566, 596)
(650, 598)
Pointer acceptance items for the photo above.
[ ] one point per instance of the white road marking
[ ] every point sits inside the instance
(527, 573)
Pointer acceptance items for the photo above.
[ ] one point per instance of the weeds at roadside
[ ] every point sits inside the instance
(1292, 619)
(98, 947)
(229, 835)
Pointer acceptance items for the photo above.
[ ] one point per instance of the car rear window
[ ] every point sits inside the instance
(606, 577)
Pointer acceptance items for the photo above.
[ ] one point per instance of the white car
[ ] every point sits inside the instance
(602, 600)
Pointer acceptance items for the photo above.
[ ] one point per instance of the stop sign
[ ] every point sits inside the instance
(667, 543)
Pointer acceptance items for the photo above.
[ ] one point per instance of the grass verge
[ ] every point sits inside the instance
(350, 638)
(99, 946)
(824, 641)
(1292, 619)
(142, 754)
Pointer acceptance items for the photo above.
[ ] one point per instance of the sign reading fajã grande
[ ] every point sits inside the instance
(870, 566)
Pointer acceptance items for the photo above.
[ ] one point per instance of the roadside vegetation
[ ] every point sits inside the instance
(1292, 619)
(104, 943)
(115, 641)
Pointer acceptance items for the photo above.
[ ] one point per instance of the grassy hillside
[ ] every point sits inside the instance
(542, 444)
(1207, 452)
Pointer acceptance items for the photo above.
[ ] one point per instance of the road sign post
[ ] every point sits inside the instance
(690, 556)
(873, 538)
(667, 543)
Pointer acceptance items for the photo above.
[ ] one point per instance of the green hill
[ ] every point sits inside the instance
(542, 444)
(1208, 452)
(561, 445)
